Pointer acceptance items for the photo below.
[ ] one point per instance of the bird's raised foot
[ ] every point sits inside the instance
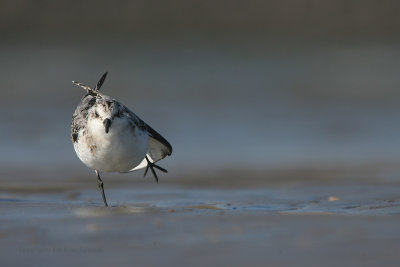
(151, 165)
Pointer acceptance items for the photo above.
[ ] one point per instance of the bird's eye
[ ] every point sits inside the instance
(96, 115)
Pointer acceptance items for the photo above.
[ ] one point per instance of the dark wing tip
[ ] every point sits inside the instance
(169, 149)
(160, 139)
(101, 81)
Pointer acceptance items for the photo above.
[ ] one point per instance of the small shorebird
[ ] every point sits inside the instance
(108, 137)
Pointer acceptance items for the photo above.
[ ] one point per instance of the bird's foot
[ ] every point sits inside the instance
(151, 165)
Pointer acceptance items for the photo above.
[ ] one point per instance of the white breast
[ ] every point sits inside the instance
(119, 150)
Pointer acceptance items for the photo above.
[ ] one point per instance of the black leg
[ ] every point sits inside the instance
(151, 166)
(101, 186)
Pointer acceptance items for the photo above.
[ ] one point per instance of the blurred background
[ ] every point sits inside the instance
(247, 92)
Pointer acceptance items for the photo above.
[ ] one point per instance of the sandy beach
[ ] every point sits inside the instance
(149, 224)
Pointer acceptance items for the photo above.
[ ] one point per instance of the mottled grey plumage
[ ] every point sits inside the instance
(107, 136)
(80, 116)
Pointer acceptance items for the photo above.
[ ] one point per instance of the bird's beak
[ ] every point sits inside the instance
(107, 124)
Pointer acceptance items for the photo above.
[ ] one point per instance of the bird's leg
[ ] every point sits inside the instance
(151, 165)
(101, 186)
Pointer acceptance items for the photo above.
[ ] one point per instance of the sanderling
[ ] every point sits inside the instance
(108, 137)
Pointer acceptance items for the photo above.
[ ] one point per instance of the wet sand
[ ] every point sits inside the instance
(313, 225)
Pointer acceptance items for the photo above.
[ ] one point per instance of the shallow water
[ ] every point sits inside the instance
(345, 199)
(282, 155)
(275, 104)
(346, 225)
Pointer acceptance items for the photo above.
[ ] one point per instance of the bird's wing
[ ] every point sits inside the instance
(159, 147)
